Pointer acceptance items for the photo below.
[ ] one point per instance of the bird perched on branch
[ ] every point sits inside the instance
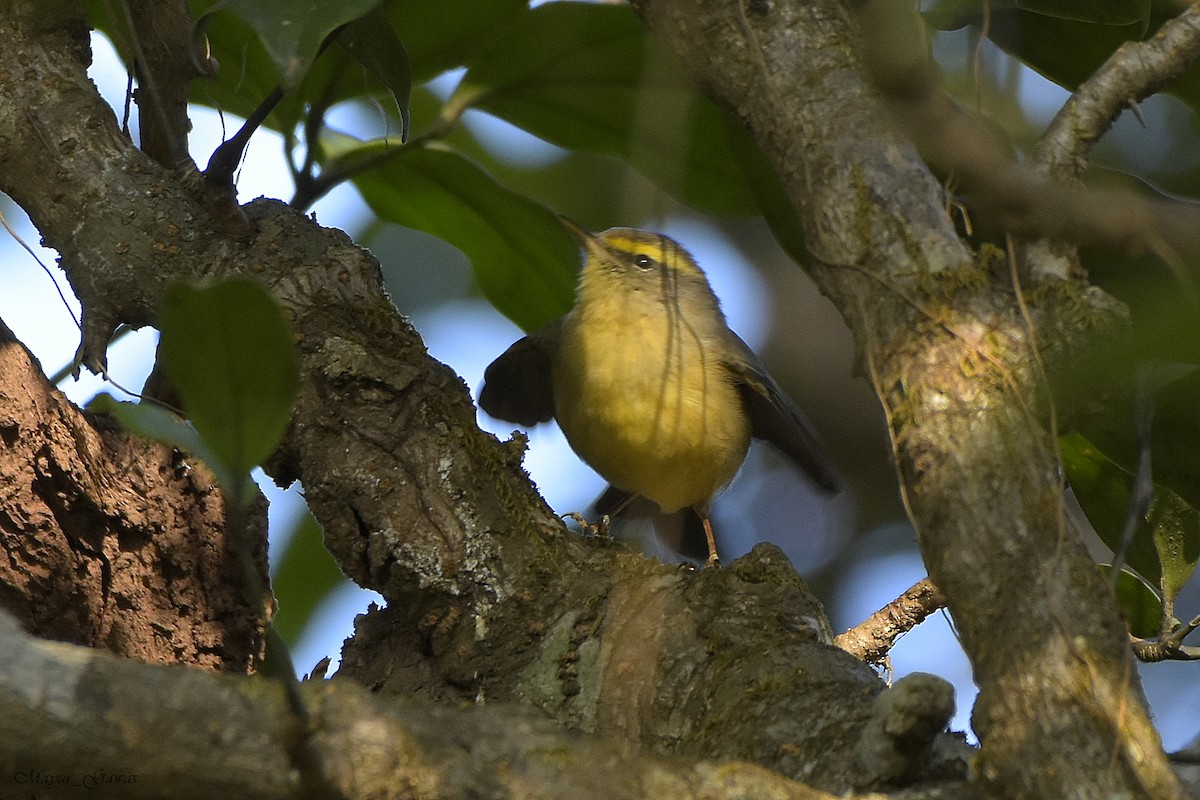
(647, 381)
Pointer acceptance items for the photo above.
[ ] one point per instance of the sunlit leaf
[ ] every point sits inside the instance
(587, 76)
(1176, 529)
(524, 260)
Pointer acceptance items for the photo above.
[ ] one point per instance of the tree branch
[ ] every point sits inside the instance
(161, 35)
(873, 638)
(1013, 198)
(1133, 73)
(117, 734)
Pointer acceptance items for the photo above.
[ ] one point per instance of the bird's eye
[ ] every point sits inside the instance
(644, 261)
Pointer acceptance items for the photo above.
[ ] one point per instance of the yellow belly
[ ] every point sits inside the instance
(662, 421)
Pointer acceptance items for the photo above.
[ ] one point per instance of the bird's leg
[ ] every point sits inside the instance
(713, 559)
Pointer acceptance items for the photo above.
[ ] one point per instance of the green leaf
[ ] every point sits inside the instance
(372, 40)
(1099, 384)
(277, 658)
(246, 73)
(1166, 547)
(1176, 529)
(294, 30)
(1103, 12)
(154, 422)
(1158, 375)
(1065, 51)
(442, 34)
(1102, 488)
(1064, 40)
(1177, 425)
(952, 14)
(1140, 605)
(150, 421)
(586, 76)
(524, 260)
(438, 35)
(303, 577)
(228, 350)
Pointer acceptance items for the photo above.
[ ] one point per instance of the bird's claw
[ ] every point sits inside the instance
(598, 529)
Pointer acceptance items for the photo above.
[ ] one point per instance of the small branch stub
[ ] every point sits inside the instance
(872, 638)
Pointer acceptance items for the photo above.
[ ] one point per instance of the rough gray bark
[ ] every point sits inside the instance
(117, 733)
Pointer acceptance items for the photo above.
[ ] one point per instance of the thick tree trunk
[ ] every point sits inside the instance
(956, 363)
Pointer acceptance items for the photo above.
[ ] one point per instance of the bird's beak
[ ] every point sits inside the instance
(576, 231)
(590, 243)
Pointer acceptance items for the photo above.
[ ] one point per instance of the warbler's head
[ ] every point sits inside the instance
(640, 262)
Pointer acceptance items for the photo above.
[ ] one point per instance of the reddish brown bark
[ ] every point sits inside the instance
(113, 541)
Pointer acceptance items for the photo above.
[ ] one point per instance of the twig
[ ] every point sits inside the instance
(1131, 74)
(1018, 199)
(871, 639)
(1168, 646)
(1152, 651)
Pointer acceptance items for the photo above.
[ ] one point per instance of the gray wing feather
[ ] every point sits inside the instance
(519, 385)
(776, 418)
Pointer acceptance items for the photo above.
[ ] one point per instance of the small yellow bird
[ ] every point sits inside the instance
(647, 381)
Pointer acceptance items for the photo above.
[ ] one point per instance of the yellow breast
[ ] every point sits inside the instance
(643, 398)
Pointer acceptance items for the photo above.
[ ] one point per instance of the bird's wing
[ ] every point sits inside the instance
(776, 418)
(518, 386)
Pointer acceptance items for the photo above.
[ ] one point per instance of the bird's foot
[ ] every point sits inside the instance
(598, 529)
